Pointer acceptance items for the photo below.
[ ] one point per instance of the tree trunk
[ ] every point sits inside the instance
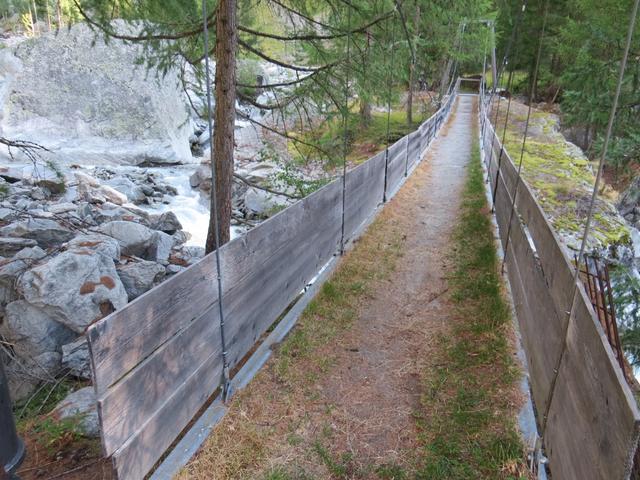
(365, 113)
(225, 114)
(444, 82)
(48, 16)
(412, 71)
(35, 17)
(58, 15)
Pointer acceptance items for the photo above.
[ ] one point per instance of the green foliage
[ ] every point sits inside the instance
(52, 433)
(626, 288)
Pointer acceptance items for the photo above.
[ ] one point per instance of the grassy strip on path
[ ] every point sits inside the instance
(471, 396)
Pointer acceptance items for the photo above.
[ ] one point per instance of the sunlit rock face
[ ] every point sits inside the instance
(91, 102)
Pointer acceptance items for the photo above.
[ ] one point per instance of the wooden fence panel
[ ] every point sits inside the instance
(593, 422)
(124, 338)
(414, 148)
(396, 166)
(558, 269)
(533, 302)
(364, 192)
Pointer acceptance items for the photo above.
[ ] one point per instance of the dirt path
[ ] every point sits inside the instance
(374, 386)
(338, 401)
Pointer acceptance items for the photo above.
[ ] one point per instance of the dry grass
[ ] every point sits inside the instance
(279, 416)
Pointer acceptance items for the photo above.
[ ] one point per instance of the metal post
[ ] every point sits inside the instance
(11, 447)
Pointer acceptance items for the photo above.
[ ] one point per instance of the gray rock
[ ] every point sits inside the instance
(95, 102)
(180, 237)
(167, 222)
(173, 269)
(7, 214)
(139, 241)
(95, 242)
(134, 239)
(74, 288)
(12, 245)
(75, 358)
(161, 250)
(259, 203)
(100, 194)
(59, 208)
(80, 406)
(31, 331)
(201, 178)
(139, 276)
(125, 186)
(48, 233)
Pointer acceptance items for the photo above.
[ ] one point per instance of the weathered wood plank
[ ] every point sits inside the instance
(593, 424)
(141, 451)
(558, 269)
(127, 405)
(365, 185)
(251, 305)
(540, 326)
(120, 341)
(396, 167)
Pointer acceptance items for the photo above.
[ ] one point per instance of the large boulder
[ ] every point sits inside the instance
(11, 269)
(167, 222)
(94, 102)
(74, 288)
(259, 203)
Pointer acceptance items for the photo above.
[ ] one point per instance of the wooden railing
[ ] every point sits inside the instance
(593, 423)
(158, 360)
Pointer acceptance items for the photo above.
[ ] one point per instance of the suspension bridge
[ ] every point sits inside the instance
(165, 366)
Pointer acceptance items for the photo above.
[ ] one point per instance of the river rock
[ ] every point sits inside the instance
(94, 102)
(166, 222)
(95, 242)
(132, 191)
(201, 178)
(46, 232)
(81, 407)
(12, 245)
(139, 241)
(139, 276)
(75, 358)
(32, 331)
(74, 288)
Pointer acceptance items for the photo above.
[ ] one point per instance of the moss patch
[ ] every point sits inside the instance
(562, 179)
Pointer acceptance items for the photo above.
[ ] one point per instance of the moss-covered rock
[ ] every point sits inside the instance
(562, 178)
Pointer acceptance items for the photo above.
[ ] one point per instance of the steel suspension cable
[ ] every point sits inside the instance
(389, 88)
(345, 126)
(594, 194)
(496, 81)
(504, 136)
(532, 94)
(214, 202)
